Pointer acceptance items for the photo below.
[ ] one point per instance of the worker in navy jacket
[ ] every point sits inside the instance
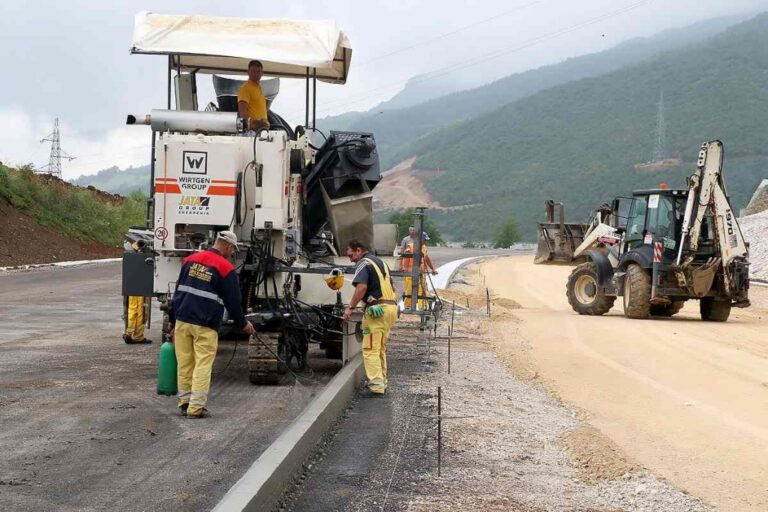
(207, 284)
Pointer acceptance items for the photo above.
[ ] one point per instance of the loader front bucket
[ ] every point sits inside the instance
(557, 241)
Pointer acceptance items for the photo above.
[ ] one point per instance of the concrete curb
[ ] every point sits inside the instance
(63, 264)
(261, 486)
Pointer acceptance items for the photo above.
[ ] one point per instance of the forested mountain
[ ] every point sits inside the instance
(394, 127)
(580, 142)
(117, 181)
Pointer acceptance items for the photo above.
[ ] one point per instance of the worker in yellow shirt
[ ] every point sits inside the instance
(251, 103)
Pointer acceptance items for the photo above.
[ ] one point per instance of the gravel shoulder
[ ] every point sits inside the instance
(507, 443)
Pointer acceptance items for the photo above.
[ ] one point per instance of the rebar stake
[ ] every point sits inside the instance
(450, 335)
(439, 429)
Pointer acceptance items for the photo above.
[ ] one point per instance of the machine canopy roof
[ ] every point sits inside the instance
(210, 44)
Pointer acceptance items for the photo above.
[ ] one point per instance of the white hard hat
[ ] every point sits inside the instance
(227, 236)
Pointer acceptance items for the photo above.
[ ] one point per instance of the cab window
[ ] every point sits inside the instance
(661, 220)
(636, 223)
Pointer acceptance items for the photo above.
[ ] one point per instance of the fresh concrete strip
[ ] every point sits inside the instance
(261, 486)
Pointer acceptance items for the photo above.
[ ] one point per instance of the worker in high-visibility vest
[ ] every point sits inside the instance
(407, 265)
(375, 291)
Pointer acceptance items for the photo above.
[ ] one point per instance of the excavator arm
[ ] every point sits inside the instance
(707, 193)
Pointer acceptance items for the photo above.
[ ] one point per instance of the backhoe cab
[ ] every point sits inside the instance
(662, 247)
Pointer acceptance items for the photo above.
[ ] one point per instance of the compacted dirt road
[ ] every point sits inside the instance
(687, 399)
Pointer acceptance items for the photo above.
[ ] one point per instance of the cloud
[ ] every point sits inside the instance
(20, 136)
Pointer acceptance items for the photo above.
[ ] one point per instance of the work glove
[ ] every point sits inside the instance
(376, 311)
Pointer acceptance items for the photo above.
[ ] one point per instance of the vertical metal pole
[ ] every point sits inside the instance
(439, 429)
(450, 335)
(170, 67)
(314, 97)
(148, 306)
(306, 101)
(151, 200)
(654, 271)
(488, 301)
(418, 225)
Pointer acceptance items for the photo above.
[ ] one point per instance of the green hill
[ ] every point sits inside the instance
(580, 142)
(395, 127)
(72, 212)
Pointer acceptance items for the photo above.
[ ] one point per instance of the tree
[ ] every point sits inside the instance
(507, 234)
(404, 220)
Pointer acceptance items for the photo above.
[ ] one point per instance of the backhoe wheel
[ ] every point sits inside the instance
(667, 310)
(585, 295)
(637, 292)
(713, 310)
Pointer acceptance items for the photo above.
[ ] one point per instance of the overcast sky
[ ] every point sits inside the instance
(69, 59)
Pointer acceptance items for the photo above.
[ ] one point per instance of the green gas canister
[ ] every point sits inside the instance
(166, 370)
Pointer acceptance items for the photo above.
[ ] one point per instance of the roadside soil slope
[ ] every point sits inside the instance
(23, 242)
(686, 399)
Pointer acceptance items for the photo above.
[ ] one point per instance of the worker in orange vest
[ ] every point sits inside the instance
(406, 264)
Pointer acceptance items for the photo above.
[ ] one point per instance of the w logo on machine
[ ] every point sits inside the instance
(195, 162)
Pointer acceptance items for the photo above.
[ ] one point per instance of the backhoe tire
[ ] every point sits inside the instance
(668, 310)
(637, 293)
(713, 310)
(585, 295)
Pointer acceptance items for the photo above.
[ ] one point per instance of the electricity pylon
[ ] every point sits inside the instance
(661, 132)
(54, 162)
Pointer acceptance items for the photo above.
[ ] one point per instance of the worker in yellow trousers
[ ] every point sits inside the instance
(134, 328)
(373, 289)
(135, 317)
(207, 284)
(407, 265)
(196, 348)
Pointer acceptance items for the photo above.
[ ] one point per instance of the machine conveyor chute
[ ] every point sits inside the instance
(350, 215)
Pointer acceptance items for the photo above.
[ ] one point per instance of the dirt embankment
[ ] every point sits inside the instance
(684, 398)
(403, 187)
(23, 241)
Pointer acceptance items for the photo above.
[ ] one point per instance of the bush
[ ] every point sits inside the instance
(507, 234)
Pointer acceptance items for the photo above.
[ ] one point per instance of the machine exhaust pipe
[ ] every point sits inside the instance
(133, 119)
(190, 121)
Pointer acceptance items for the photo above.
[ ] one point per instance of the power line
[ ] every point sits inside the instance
(448, 34)
(490, 55)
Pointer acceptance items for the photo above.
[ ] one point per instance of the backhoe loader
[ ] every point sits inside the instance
(656, 249)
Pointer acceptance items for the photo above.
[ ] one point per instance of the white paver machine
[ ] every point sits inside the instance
(293, 196)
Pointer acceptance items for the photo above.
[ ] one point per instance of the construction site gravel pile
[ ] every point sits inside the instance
(755, 231)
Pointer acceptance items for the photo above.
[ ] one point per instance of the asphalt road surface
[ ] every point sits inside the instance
(81, 427)
(685, 398)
